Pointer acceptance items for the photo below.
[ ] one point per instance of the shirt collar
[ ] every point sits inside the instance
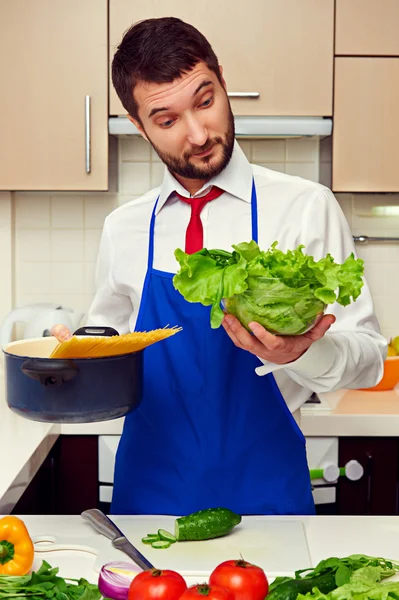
(236, 179)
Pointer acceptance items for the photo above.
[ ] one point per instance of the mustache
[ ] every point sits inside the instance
(200, 149)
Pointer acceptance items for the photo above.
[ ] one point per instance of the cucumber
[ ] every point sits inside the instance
(289, 590)
(160, 544)
(165, 535)
(206, 524)
(151, 537)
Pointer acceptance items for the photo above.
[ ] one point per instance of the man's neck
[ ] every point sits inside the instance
(191, 185)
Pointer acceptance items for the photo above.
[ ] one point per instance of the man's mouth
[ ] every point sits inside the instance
(205, 153)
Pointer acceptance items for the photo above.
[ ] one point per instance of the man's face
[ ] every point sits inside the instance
(188, 122)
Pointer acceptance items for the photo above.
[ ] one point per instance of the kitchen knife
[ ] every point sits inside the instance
(105, 526)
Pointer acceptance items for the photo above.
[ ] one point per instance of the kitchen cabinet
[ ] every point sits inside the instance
(54, 97)
(280, 49)
(376, 493)
(366, 125)
(67, 481)
(367, 27)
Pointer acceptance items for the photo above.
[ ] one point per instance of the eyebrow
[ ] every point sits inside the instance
(154, 111)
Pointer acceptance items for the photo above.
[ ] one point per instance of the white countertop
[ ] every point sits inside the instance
(325, 537)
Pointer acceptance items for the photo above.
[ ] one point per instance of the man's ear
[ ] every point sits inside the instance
(221, 75)
(138, 125)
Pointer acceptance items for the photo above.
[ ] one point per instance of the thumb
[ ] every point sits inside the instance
(320, 328)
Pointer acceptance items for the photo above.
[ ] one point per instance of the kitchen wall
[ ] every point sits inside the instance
(52, 238)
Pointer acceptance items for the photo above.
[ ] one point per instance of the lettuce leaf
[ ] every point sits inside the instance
(364, 584)
(286, 292)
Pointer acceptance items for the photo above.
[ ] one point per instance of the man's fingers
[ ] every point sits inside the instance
(61, 332)
(231, 334)
(272, 342)
(245, 339)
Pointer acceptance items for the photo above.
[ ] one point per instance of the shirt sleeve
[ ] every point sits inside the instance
(109, 308)
(352, 353)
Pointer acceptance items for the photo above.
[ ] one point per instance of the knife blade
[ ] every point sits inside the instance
(107, 527)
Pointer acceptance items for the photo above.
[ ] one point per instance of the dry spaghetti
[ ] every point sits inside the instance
(98, 347)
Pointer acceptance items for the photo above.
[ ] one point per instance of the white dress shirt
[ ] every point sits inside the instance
(292, 211)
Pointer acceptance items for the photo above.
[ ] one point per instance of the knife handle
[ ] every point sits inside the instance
(101, 523)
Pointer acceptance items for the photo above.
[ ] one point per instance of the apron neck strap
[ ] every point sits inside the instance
(254, 219)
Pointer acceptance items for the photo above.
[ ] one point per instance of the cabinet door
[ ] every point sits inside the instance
(366, 125)
(367, 27)
(282, 49)
(376, 493)
(53, 54)
(67, 481)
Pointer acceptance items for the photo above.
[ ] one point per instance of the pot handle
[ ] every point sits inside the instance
(108, 331)
(50, 373)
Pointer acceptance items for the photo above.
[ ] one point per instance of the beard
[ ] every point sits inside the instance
(184, 168)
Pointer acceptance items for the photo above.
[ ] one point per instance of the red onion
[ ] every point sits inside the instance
(115, 579)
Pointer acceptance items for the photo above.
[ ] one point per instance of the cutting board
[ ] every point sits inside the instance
(279, 546)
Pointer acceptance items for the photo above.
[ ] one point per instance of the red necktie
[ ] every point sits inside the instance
(195, 232)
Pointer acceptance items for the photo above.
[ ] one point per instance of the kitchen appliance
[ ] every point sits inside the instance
(80, 390)
(38, 320)
(105, 526)
(251, 127)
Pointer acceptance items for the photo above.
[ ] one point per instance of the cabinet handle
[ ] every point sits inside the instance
(369, 470)
(243, 94)
(88, 134)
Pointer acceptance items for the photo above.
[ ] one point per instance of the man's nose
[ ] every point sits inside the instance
(198, 133)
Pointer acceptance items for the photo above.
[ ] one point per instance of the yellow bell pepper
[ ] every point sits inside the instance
(16, 547)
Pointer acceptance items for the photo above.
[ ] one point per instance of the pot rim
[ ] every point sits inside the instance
(41, 339)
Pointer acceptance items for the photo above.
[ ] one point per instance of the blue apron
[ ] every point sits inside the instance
(209, 431)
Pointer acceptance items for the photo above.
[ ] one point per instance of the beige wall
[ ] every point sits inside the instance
(51, 240)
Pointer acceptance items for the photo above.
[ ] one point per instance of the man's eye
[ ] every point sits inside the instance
(167, 123)
(207, 102)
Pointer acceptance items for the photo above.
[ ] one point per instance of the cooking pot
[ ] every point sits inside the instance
(84, 390)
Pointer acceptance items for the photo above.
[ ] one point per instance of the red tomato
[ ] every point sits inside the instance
(245, 581)
(163, 585)
(213, 592)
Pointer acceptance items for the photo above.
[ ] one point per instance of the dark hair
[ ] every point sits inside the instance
(158, 51)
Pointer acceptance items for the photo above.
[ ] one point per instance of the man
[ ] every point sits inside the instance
(215, 427)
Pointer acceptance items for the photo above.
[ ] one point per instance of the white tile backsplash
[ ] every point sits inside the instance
(67, 277)
(32, 245)
(96, 208)
(306, 170)
(66, 219)
(91, 244)
(135, 178)
(302, 150)
(268, 151)
(157, 173)
(56, 236)
(6, 255)
(139, 151)
(32, 211)
(66, 245)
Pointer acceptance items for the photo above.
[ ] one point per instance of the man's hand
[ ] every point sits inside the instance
(273, 348)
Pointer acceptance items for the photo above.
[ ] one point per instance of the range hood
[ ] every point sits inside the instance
(251, 127)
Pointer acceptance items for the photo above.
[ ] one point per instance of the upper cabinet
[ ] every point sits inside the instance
(366, 125)
(53, 101)
(281, 50)
(367, 27)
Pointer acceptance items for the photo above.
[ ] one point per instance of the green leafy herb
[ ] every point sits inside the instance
(283, 291)
(45, 583)
(364, 584)
(353, 568)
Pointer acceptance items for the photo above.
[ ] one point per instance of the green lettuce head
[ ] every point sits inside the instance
(286, 292)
